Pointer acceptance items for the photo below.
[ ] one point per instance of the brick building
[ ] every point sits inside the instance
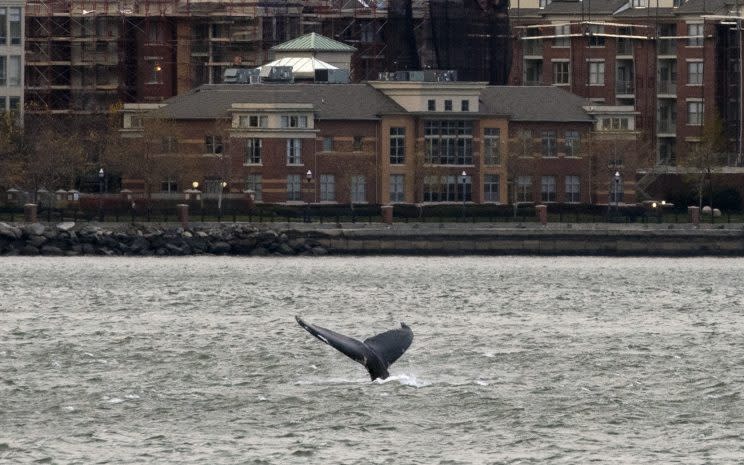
(384, 142)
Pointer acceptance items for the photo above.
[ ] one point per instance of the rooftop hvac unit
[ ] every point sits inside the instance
(280, 74)
(332, 76)
(241, 76)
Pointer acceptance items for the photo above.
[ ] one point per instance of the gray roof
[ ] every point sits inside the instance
(650, 12)
(704, 6)
(594, 7)
(331, 101)
(534, 103)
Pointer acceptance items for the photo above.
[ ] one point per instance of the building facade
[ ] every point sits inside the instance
(384, 142)
(12, 56)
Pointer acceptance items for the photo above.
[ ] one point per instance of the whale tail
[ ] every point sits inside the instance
(376, 353)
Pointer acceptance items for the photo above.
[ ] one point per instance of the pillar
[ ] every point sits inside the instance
(694, 214)
(542, 214)
(387, 214)
(183, 214)
(29, 212)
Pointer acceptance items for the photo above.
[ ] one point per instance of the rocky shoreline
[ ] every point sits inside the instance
(65, 239)
(287, 239)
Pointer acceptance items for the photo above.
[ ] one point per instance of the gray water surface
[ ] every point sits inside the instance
(515, 360)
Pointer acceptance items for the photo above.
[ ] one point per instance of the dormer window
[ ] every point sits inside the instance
(639, 3)
(431, 105)
(253, 121)
(294, 121)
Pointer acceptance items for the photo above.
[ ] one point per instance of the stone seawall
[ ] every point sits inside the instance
(353, 239)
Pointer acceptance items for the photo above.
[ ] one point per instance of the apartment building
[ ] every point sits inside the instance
(11, 56)
(673, 62)
(384, 142)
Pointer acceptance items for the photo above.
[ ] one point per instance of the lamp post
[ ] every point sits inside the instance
(617, 187)
(464, 177)
(309, 178)
(223, 184)
(101, 174)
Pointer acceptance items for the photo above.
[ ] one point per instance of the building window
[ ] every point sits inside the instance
(293, 187)
(549, 144)
(695, 73)
(492, 146)
(14, 70)
(524, 189)
(3, 26)
(614, 124)
(572, 141)
(252, 152)
(14, 17)
(491, 188)
(431, 105)
(294, 121)
(154, 35)
(357, 142)
(253, 121)
(561, 72)
(3, 101)
(397, 188)
(328, 144)
(639, 3)
(573, 189)
(169, 144)
(3, 71)
(253, 183)
(14, 104)
(358, 189)
(448, 105)
(695, 113)
(446, 188)
(596, 73)
(213, 144)
(293, 152)
(169, 186)
(327, 187)
(465, 105)
(695, 35)
(533, 72)
(547, 189)
(448, 142)
(397, 146)
(596, 40)
(562, 31)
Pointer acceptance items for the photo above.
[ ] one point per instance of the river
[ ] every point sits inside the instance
(515, 360)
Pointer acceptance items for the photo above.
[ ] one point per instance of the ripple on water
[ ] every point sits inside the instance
(515, 360)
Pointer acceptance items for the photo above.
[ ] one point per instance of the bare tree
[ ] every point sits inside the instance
(520, 162)
(705, 158)
(12, 151)
(150, 156)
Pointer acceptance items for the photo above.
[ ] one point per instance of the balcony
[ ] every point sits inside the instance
(666, 126)
(667, 47)
(625, 47)
(624, 87)
(666, 87)
(533, 47)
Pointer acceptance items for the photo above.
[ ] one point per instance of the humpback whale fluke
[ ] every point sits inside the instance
(376, 353)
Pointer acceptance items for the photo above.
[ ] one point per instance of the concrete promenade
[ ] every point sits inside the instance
(531, 239)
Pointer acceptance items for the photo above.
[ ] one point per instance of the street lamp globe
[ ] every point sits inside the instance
(195, 184)
(309, 175)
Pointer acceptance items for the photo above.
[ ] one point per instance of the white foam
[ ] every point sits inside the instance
(132, 396)
(115, 400)
(405, 380)
(480, 382)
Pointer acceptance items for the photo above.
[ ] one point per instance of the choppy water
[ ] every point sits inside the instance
(515, 360)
